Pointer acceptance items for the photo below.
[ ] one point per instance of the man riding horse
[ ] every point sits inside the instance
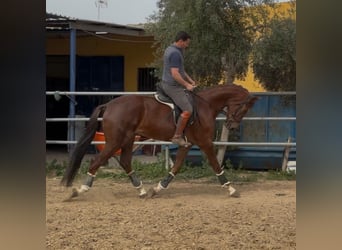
(176, 82)
(151, 119)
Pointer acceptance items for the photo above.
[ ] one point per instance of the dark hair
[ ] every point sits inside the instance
(182, 35)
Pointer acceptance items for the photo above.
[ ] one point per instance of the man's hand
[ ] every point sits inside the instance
(190, 87)
(188, 83)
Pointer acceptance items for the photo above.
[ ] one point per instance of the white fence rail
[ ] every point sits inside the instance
(71, 94)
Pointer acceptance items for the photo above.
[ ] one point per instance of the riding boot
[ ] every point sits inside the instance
(178, 136)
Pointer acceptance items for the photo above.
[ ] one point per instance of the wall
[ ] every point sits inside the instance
(137, 51)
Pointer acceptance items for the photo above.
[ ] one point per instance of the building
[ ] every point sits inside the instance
(83, 55)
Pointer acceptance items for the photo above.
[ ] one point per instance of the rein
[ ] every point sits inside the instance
(230, 118)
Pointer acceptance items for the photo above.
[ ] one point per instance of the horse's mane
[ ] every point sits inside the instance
(221, 86)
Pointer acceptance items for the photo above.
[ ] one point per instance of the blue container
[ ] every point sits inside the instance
(259, 158)
(244, 157)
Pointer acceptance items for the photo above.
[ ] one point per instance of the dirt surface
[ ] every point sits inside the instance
(187, 215)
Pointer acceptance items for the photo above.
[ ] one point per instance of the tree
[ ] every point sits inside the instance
(274, 55)
(222, 35)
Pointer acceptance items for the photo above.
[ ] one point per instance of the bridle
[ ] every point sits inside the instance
(232, 118)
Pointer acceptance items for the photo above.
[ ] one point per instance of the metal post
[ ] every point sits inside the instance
(167, 155)
(71, 127)
(267, 123)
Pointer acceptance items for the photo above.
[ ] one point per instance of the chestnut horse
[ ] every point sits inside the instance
(127, 116)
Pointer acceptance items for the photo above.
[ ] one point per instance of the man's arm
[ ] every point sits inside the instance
(177, 76)
(190, 79)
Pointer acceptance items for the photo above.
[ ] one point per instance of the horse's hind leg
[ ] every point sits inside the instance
(99, 160)
(125, 162)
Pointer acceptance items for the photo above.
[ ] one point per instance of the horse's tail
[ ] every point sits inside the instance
(81, 146)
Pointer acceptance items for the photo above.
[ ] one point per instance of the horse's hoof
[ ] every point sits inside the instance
(143, 194)
(151, 192)
(74, 194)
(233, 193)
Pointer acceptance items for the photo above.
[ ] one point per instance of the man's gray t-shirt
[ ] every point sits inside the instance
(173, 58)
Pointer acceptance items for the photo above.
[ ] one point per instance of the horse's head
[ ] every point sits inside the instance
(236, 110)
(233, 99)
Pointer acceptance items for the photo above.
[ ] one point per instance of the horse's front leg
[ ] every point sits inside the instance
(163, 184)
(209, 150)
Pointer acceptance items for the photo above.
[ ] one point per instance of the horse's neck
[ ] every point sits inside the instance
(217, 96)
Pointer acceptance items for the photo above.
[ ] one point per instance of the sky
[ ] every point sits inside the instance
(117, 11)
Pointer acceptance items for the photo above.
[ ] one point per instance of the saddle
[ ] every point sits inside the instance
(163, 98)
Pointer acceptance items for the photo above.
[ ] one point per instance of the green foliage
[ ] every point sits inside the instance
(274, 56)
(281, 175)
(239, 174)
(152, 172)
(54, 168)
(191, 172)
(222, 35)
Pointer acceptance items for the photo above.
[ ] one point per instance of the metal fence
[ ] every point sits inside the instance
(72, 119)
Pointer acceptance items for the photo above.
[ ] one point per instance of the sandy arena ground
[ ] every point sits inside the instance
(188, 215)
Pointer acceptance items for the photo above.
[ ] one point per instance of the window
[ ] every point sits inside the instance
(146, 79)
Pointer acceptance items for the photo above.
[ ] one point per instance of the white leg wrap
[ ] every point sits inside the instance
(142, 192)
(222, 172)
(84, 188)
(131, 172)
(140, 186)
(231, 190)
(227, 184)
(92, 175)
(158, 188)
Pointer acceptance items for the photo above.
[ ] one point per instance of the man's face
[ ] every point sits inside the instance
(185, 43)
